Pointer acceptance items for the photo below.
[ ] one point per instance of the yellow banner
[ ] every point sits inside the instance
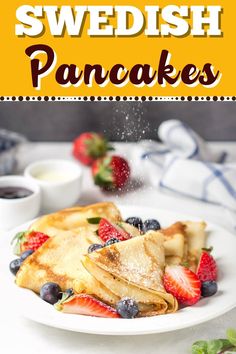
(117, 48)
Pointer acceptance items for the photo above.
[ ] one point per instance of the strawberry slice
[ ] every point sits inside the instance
(108, 230)
(183, 284)
(207, 268)
(86, 305)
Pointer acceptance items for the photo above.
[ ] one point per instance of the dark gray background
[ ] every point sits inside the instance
(56, 121)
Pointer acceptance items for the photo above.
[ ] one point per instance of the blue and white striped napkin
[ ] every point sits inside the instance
(186, 165)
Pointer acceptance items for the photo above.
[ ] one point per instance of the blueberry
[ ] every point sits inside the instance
(50, 292)
(15, 265)
(25, 254)
(94, 247)
(209, 288)
(127, 308)
(151, 224)
(135, 221)
(111, 241)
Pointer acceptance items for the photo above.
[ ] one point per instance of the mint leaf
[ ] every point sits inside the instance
(197, 350)
(18, 236)
(226, 343)
(199, 347)
(214, 346)
(18, 239)
(231, 335)
(217, 346)
(94, 221)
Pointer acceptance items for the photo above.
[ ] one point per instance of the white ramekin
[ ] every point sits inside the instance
(60, 194)
(14, 212)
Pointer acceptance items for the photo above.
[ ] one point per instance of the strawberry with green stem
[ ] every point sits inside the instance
(90, 146)
(28, 240)
(111, 172)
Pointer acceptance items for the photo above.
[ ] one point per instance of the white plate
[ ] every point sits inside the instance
(224, 243)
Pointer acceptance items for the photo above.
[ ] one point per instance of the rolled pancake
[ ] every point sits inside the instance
(134, 268)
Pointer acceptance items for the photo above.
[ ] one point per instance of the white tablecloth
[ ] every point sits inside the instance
(21, 336)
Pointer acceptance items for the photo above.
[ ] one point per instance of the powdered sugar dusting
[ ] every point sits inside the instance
(128, 122)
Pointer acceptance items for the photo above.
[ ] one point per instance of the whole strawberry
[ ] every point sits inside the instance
(111, 172)
(89, 146)
(207, 267)
(29, 240)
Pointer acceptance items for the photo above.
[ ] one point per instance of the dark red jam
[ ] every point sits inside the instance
(14, 192)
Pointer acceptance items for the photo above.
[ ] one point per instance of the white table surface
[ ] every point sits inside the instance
(22, 336)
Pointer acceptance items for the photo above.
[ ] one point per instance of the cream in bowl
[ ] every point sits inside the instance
(54, 176)
(19, 201)
(59, 181)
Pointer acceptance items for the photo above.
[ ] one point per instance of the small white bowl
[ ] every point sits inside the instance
(14, 212)
(59, 181)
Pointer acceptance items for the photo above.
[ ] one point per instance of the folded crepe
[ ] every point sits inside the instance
(183, 242)
(73, 219)
(57, 260)
(196, 240)
(175, 243)
(132, 268)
